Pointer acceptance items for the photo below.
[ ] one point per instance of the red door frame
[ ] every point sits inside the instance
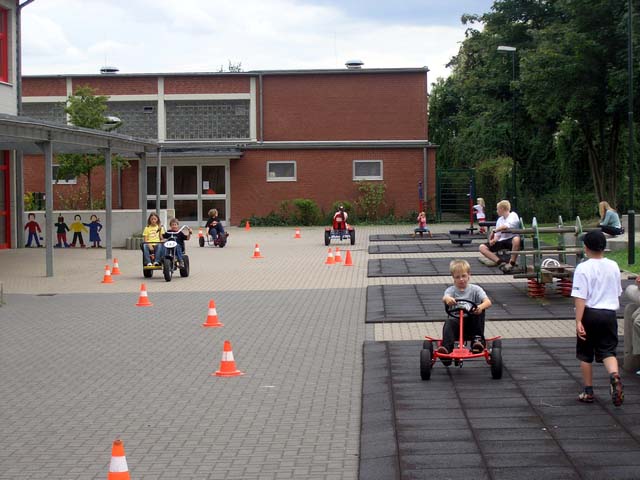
(5, 215)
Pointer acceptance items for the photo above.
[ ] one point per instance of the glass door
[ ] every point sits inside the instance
(214, 191)
(185, 192)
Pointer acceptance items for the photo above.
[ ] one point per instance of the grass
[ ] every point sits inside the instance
(621, 258)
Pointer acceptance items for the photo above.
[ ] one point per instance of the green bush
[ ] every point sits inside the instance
(308, 211)
(370, 200)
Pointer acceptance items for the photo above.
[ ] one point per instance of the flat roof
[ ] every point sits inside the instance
(335, 71)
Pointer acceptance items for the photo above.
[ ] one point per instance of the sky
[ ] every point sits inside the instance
(163, 36)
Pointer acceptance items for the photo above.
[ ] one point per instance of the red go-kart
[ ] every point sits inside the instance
(340, 230)
(429, 355)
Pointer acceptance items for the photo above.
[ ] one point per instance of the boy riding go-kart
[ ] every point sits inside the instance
(340, 229)
(172, 253)
(214, 231)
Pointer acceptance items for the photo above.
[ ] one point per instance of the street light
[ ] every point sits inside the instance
(512, 51)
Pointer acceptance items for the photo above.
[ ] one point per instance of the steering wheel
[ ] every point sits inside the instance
(466, 306)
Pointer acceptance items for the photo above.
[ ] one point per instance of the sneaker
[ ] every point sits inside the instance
(617, 391)
(149, 264)
(477, 347)
(506, 267)
(156, 264)
(585, 397)
(445, 361)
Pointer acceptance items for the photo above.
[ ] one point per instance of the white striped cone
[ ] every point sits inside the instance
(118, 468)
(337, 257)
(329, 260)
(143, 300)
(107, 275)
(212, 316)
(227, 364)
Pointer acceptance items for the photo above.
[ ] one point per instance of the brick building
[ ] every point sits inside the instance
(244, 142)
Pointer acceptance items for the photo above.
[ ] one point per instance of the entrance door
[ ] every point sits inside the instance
(5, 229)
(198, 189)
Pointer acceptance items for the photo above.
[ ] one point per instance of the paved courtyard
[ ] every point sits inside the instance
(82, 365)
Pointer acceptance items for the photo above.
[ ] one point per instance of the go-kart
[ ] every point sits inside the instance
(339, 231)
(460, 353)
(212, 240)
(169, 261)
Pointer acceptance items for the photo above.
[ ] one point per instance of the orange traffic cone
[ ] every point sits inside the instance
(347, 260)
(329, 260)
(118, 469)
(143, 300)
(107, 275)
(337, 257)
(200, 235)
(212, 316)
(297, 235)
(256, 252)
(116, 269)
(247, 227)
(227, 364)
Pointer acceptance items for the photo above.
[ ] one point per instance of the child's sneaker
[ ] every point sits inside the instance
(445, 361)
(617, 391)
(585, 397)
(477, 346)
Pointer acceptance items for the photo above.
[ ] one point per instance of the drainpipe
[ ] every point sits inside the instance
(261, 110)
(19, 157)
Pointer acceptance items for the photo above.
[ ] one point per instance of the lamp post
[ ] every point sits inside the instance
(631, 252)
(512, 51)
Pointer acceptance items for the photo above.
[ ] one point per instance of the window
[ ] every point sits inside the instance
(62, 181)
(281, 171)
(4, 45)
(367, 169)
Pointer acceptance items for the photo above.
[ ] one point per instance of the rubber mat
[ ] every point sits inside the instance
(423, 267)
(461, 424)
(422, 248)
(423, 303)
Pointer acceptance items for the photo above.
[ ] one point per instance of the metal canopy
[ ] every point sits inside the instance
(24, 133)
(32, 136)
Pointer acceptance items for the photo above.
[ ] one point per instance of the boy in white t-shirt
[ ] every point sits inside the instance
(596, 288)
(501, 240)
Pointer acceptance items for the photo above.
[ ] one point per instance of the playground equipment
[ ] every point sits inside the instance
(540, 271)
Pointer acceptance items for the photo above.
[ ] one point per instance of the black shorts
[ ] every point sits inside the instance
(501, 245)
(601, 327)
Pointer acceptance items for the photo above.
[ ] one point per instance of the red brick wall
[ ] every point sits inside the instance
(324, 176)
(42, 87)
(385, 106)
(115, 85)
(215, 84)
(34, 182)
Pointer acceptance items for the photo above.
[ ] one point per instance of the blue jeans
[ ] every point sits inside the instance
(218, 229)
(158, 249)
(179, 252)
(33, 236)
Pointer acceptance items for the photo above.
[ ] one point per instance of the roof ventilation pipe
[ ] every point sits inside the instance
(354, 64)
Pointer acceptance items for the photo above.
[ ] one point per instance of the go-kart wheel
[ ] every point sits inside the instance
(222, 242)
(352, 235)
(497, 343)
(148, 273)
(496, 360)
(167, 269)
(426, 355)
(427, 344)
(327, 238)
(201, 241)
(184, 271)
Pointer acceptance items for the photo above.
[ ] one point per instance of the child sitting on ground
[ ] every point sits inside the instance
(462, 290)
(174, 233)
(422, 226)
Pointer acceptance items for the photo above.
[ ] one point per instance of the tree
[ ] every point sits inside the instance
(85, 109)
